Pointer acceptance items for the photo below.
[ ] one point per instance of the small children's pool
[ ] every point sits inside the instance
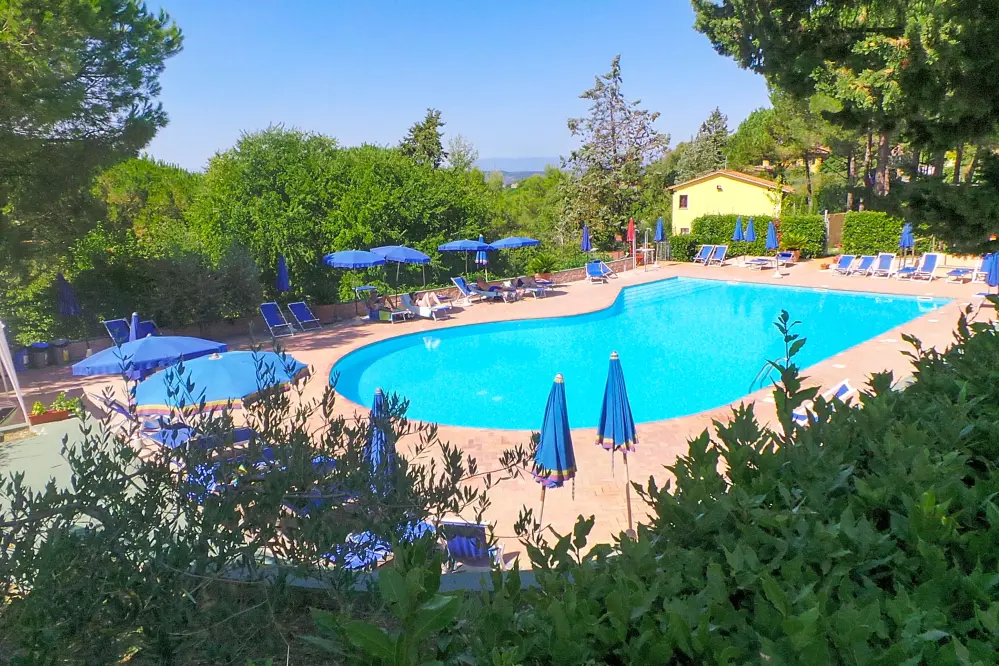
(686, 345)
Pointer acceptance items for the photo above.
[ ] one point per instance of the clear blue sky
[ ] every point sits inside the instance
(505, 75)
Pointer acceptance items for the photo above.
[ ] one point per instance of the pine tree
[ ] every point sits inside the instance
(706, 151)
(423, 142)
(618, 142)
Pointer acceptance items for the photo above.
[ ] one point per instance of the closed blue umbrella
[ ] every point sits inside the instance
(585, 245)
(906, 241)
(554, 461)
(139, 358)
(353, 259)
(514, 242)
(772, 243)
(282, 283)
(481, 259)
(616, 429)
(379, 453)
(215, 381)
(68, 305)
(992, 270)
(737, 234)
(133, 329)
(750, 232)
(660, 231)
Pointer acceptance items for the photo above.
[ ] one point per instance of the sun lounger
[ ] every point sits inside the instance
(303, 316)
(924, 271)
(275, 320)
(541, 282)
(842, 267)
(882, 265)
(784, 258)
(718, 255)
(703, 254)
(468, 545)
(842, 393)
(538, 290)
(595, 272)
(118, 329)
(864, 266)
(391, 315)
(976, 274)
(435, 312)
(146, 329)
(759, 263)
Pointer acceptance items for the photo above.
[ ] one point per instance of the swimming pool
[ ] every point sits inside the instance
(686, 345)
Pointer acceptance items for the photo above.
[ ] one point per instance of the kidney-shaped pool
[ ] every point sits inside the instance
(686, 345)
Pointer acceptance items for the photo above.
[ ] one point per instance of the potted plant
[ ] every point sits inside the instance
(793, 243)
(542, 264)
(60, 410)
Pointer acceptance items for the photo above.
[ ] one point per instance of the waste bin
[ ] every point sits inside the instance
(59, 352)
(39, 353)
(21, 359)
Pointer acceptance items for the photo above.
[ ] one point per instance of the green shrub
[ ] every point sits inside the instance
(682, 247)
(870, 232)
(809, 229)
(542, 262)
(718, 230)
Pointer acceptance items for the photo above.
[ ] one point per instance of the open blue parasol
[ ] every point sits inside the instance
(750, 232)
(282, 283)
(68, 305)
(138, 358)
(515, 242)
(399, 255)
(213, 382)
(554, 461)
(585, 244)
(616, 429)
(353, 259)
(737, 234)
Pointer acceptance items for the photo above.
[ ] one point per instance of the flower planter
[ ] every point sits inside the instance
(48, 417)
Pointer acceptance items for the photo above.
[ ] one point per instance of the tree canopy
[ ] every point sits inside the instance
(423, 144)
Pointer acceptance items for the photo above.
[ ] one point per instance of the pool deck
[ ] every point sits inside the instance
(598, 490)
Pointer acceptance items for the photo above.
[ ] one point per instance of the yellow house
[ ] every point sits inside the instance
(723, 192)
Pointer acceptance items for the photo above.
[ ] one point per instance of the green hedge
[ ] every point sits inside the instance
(811, 228)
(718, 230)
(870, 232)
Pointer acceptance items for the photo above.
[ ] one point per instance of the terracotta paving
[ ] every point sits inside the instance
(599, 490)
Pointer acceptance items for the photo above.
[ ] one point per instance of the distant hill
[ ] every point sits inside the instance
(531, 165)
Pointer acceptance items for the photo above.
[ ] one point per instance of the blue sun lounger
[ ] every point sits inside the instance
(469, 291)
(924, 271)
(882, 265)
(598, 271)
(146, 329)
(704, 254)
(842, 393)
(118, 329)
(304, 317)
(784, 258)
(864, 266)
(976, 274)
(842, 266)
(468, 544)
(718, 255)
(274, 318)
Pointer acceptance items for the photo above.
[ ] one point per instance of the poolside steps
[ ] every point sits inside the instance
(657, 291)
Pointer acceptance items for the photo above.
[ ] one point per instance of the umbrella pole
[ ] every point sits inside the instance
(627, 493)
(541, 514)
(423, 271)
(397, 267)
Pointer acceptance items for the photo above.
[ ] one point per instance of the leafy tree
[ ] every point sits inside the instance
(753, 141)
(461, 154)
(619, 140)
(423, 142)
(706, 152)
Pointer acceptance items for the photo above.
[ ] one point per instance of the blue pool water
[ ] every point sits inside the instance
(686, 345)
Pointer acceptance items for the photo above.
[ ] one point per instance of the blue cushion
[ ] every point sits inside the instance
(465, 547)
